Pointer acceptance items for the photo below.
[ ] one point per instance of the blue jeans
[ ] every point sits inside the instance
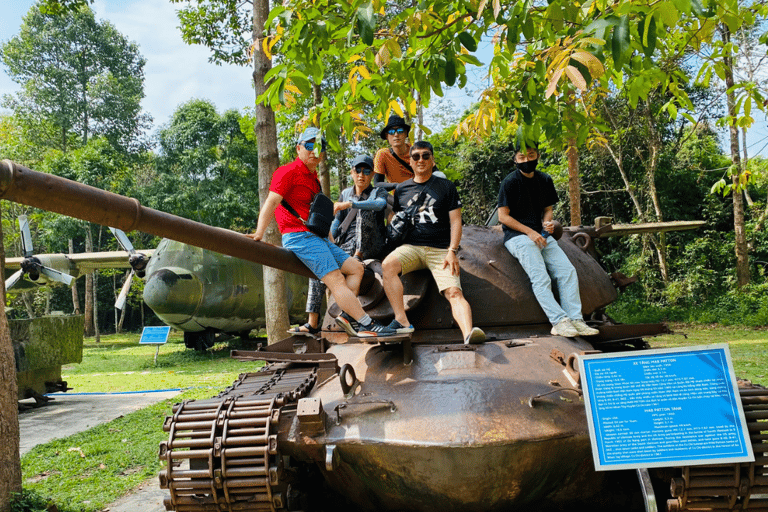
(539, 264)
(318, 254)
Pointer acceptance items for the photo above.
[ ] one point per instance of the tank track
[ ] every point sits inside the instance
(730, 487)
(222, 453)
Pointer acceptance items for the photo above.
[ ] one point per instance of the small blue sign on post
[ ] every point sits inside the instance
(664, 407)
(155, 336)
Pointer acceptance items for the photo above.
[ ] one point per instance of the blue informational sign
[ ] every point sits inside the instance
(155, 335)
(664, 407)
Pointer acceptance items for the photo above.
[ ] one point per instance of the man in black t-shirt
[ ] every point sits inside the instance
(433, 243)
(526, 200)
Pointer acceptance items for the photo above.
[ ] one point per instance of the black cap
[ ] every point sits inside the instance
(363, 160)
(394, 122)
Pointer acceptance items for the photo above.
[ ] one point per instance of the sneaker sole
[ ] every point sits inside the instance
(371, 334)
(344, 324)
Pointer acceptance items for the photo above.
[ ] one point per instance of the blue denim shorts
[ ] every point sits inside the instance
(318, 254)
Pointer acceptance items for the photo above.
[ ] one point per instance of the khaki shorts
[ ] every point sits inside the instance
(416, 257)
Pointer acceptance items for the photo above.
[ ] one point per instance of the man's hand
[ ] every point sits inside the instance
(539, 240)
(337, 207)
(452, 261)
(549, 226)
(254, 236)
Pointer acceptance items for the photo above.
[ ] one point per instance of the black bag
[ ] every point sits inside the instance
(401, 224)
(320, 215)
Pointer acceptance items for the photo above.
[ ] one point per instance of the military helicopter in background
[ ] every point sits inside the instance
(197, 291)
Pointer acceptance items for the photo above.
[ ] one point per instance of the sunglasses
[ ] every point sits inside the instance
(311, 146)
(365, 170)
(418, 156)
(393, 131)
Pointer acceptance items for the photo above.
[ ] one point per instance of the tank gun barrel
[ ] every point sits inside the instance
(60, 195)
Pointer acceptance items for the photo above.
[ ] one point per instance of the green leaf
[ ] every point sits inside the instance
(620, 41)
(698, 8)
(649, 39)
(450, 73)
(469, 42)
(528, 29)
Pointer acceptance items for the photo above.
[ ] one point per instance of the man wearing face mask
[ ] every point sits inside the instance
(526, 201)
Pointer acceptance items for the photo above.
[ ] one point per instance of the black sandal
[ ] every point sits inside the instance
(311, 331)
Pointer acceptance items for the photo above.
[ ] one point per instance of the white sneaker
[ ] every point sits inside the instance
(583, 329)
(564, 328)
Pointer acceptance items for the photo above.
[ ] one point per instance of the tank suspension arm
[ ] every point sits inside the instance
(60, 195)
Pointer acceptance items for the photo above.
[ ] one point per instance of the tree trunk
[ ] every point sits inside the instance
(88, 286)
(574, 189)
(75, 296)
(96, 332)
(744, 162)
(651, 166)
(10, 465)
(275, 299)
(27, 298)
(739, 224)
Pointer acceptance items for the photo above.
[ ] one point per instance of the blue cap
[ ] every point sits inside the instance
(309, 134)
(363, 160)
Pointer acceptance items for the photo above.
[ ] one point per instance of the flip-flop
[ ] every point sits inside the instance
(311, 331)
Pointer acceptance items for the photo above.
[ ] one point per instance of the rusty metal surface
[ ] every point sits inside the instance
(222, 453)
(460, 433)
(60, 195)
(730, 486)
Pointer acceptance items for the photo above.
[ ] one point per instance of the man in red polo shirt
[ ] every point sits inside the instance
(296, 183)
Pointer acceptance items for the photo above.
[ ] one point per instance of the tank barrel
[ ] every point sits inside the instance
(60, 195)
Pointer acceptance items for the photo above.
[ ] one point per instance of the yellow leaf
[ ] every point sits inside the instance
(383, 57)
(592, 63)
(496, 8)
(576, 78)
(396, 107)
(353, 58)
(364, 72)
(553, 83)
(481, 8)
(413, 108)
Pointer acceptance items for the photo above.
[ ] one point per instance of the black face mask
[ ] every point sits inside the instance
(527, 167)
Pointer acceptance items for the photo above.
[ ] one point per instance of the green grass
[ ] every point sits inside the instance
(748, 346)
(89, 470)
(119, 363)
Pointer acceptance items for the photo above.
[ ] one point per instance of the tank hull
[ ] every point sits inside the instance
(492, 427)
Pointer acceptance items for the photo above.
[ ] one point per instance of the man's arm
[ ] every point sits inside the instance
(546, 220)
(512, 223)
(266, 215)
(452, 258)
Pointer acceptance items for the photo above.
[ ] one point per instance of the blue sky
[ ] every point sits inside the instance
(175, 72)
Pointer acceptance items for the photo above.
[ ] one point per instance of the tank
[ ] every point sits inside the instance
(421, 422)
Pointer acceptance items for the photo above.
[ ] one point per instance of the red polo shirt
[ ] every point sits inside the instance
(298, 186)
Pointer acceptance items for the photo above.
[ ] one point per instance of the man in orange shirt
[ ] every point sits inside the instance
(393, 163)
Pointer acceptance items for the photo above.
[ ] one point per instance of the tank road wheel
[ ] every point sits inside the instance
(200, 341)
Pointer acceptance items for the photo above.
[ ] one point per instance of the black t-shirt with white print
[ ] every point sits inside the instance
(432, 227)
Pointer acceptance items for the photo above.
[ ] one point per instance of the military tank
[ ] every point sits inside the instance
(422, 422)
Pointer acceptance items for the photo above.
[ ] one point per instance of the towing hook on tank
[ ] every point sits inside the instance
(346, 387)
(533, 399)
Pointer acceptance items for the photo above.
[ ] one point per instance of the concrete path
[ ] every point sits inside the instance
(72, 413)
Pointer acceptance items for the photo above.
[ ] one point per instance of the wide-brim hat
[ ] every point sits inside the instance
(394, 122)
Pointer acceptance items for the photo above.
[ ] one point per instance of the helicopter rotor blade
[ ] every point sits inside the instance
(26, 236)
(123, 296)
(55, 275)
(123, 240)
(11, 281)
